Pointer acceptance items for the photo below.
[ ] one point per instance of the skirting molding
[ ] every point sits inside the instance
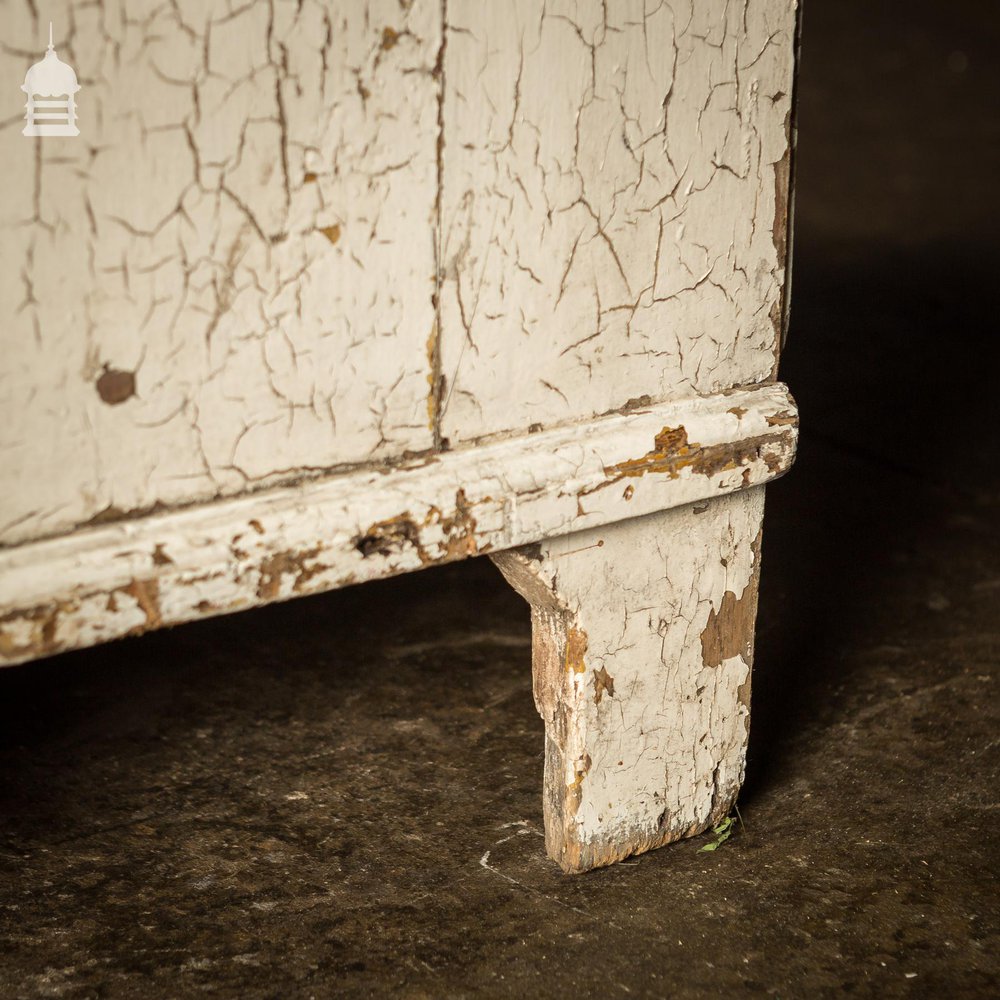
(166, 568)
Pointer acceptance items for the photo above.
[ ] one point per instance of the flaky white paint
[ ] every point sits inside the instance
(93, 585)
(645, 741)
(245, 223)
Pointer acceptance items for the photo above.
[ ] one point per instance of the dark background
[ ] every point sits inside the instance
(340, 796)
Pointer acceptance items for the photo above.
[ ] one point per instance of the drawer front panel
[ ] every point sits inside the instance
(226, 280)
(614, 204)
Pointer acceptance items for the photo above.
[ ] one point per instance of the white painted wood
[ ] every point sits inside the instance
(613, 216)
(176, 566)
(300, 250)
(642, 648)
(242, 234)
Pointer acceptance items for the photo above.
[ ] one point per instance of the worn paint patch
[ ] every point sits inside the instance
(41, 625)
(576, 647)
(435, 379)
(783, 419)
(574, 791)
(275, 567)
(460, 529)
(672, 453)
(729, 631)
(115, 386)
(146, 593)
(604, 684)
(387, 537)
(160, 557)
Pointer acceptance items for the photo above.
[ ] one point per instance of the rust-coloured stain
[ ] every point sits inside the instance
(160, 557)
(574, 791)
(146, 593)
(576, 647)
(672, 453)
(737, 411)
(273, 568)
(604, 683)
(389, 38)
(115, 386)
(256, 525)
(42, 640)
(729, 631)
(460, 529)
(434, 381)
(332, 233)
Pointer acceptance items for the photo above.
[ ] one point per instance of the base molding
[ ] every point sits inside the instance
(175, 566)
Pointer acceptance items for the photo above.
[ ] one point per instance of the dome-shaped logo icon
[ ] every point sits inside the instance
(51, 86)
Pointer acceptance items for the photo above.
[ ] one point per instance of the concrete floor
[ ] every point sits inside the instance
(340, 796)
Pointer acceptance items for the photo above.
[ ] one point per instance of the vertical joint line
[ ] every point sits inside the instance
(437, 378)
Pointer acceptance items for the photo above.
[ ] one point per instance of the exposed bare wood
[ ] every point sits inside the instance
(176, 566)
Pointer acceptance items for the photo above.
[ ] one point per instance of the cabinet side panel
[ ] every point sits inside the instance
(226, 280)
(613, 208)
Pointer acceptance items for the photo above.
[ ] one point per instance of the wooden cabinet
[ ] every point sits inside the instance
(327, 291)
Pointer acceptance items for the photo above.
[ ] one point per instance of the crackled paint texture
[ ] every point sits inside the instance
(300, 235)
(227, 280)
(646, 719)
(175, 566)
(398, 282)
(613, 216)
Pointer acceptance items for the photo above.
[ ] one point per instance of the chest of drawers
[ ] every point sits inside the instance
(328, 291)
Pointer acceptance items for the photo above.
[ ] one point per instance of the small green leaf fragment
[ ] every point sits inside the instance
(723, 830)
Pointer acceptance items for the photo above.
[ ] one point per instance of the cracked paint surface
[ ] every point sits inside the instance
(226, 281)
(614, 204)
(174, 566)
(645, 738)
(299, 236)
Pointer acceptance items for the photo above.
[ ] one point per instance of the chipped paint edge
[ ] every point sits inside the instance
(167, 568)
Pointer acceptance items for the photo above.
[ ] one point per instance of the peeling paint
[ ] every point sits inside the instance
(389, 536)
(300, 565)
(668, 760)
(672, 453)
(576, 647)
(146, 594)
(729, 631)
(604, 684)
(371, 523)
(160, 557)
